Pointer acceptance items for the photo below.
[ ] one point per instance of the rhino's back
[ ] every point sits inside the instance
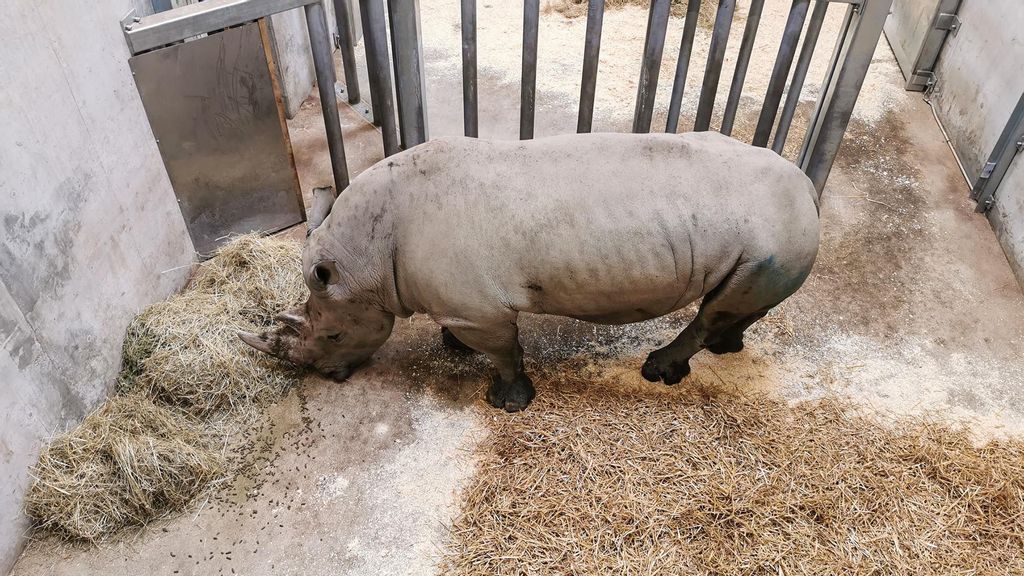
(569, 224)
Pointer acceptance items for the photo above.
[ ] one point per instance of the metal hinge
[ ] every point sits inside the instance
(924, 78)
(947, 21)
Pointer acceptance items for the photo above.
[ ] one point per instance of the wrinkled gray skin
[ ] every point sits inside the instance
(607, 228)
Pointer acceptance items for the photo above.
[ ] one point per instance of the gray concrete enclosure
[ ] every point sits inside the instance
(977, 83)
(90, 232)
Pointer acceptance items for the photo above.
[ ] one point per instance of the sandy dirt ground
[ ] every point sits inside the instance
(911, 309)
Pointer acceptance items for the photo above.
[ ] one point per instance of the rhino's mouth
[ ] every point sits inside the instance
(338, 374)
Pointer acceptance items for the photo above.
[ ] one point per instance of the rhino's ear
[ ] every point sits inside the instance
(323, 273)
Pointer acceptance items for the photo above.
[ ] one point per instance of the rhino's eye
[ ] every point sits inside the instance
(336, 337)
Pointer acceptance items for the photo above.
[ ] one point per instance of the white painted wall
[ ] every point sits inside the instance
(90, 232)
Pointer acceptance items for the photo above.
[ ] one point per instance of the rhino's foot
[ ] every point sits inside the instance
(513, 396)
(662, 367)
(452, 343)
(726, 345)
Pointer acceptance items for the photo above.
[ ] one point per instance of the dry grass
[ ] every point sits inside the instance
(595, 478)
(186, 380)
(185, 351)
(126, 464)
(578, 8)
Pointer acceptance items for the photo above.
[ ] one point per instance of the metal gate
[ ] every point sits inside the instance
(399, 107)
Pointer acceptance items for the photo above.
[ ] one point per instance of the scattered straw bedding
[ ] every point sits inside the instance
(596, 478)
(160, 441)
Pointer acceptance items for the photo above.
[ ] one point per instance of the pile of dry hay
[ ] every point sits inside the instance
(127, 463)
(159, 442)
(185, 352)
(597, 479)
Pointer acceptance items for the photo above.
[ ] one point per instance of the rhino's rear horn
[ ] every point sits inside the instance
(294, 318)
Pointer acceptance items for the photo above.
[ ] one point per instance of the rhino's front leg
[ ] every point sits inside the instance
(511, 389)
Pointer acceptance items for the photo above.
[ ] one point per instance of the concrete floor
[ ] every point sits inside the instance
(911, 308)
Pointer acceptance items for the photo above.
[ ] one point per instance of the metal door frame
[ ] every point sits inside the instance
(180, 24)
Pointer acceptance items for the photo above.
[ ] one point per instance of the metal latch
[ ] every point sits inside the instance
(987, 170)
(947, 21)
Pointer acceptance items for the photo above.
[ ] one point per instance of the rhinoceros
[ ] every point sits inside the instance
(606, 228)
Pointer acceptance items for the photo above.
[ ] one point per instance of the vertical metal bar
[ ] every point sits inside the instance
(742, 62)
(346, 36)
(528, 96)
(650, 66)
(799, 75)
(840, 95)
(682, 65)
(830, 71)
(783, 61)
(469, 100)
(591, 54)
(375, 34)
(323, 64)
(407, 51)
(713, 70)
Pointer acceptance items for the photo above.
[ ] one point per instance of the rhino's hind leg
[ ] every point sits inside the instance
(730, 340)
(511, 389)
(744, 297)
(452, 343)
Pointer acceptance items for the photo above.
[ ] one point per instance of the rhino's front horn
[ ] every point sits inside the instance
(257, 341)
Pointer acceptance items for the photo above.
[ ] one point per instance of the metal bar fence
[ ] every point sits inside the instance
(861, 29)
(742, 62)
(682, 65)
(323, 64)
(528, 96)
(346, 44)
(654, 45)
(780, 71)
(591, 55)
(713, 69)
(470, 121)
(375, 36)
(407, 53)
(838, 96)
(796, 86)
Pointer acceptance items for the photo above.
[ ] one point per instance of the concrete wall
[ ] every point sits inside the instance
(979, 77)
(90, 232)
(979, 83)
(292, 53)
